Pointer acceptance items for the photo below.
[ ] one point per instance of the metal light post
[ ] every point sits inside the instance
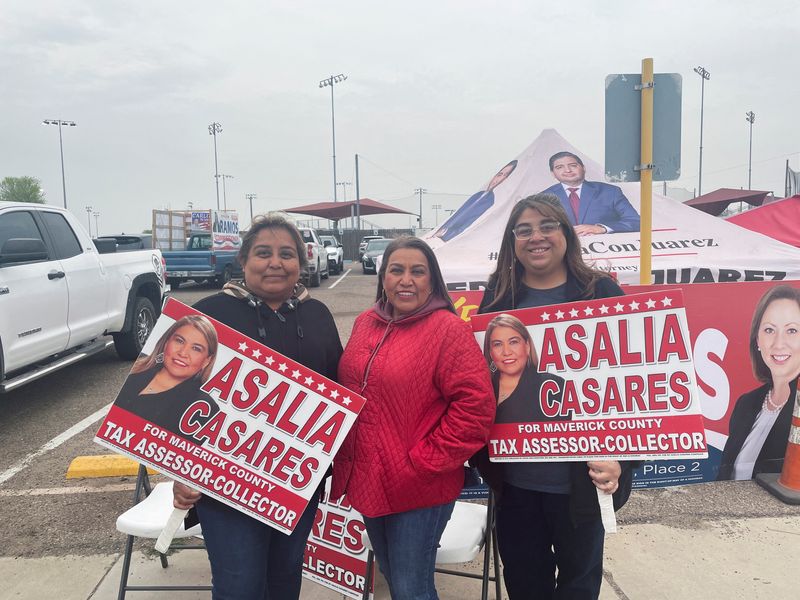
(225, 195)
(704, 76)
(96, 215)
(89, 219)
(329, 82)
(61, 122)
(420, 191)
(436, 208)
(250, 198)
(214, 129)
(750, 117)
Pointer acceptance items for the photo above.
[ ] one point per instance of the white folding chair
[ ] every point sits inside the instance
(146, 518)
(469, 530)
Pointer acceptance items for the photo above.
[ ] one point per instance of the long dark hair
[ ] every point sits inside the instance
(779, 292)
(507, 277)
(438, 287)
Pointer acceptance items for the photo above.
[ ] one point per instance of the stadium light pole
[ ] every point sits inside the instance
(750, 117)
(214, 129)
(96, 215)
(705, 75)
(250, 198)
(89, 219)
(60, 123)
(329, 82)
(224, 194)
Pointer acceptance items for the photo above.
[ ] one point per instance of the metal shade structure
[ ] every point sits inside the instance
(717, 201)
(335, 211)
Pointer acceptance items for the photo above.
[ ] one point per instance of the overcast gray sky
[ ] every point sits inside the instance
(438, 95)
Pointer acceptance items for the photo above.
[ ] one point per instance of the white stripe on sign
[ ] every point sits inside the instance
(335, 283)
(54, 443)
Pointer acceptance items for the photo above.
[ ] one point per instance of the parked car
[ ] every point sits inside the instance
(60, 297)
(363, 245)
(375, 248)
(126, 241)
(200, 262)
(317, 257)
(335, 252)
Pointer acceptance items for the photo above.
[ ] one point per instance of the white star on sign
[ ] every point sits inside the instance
(619, 307)
(604, 309)
(334, 394)
(320, 387)
(309, 381)
(256, 353)
(242, 347)
(545, 316)
(269, 360)
(282, 367)
(559, 314)
(667, 301)
(634, 305)
(650, 303)
(346, 401)
(573, 313)
(588, 311)
(295, 374)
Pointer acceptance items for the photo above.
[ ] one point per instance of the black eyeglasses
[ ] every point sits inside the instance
(525, 231)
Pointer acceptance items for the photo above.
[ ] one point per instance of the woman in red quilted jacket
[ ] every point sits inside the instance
(429, 408)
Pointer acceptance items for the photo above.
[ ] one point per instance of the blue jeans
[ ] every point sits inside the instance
(405, 545)
(536, 535)
(250, 560)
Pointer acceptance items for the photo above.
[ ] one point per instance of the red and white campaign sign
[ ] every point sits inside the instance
(336, 556)
(229, 416)
(610, 378)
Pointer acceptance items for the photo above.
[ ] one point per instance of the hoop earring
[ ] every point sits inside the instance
(492, 366)
(159, 358)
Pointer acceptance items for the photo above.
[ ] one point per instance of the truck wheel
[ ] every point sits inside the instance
(129, 344)
(226, 276)
(174, 283)
(340, 267)
(315, 278)
(327, 270)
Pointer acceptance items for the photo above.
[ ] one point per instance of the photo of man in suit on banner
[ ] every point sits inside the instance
(593, 207)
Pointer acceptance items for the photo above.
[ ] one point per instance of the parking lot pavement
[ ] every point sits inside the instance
(748, 558)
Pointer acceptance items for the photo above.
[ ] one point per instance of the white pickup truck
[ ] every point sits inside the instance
(60, 297)
(317, 257)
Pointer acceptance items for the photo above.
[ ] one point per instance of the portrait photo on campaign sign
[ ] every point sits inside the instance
(230, 417)
(610, 378)
(745, 338)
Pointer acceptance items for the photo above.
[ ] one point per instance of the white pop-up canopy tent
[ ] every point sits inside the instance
(688, 246)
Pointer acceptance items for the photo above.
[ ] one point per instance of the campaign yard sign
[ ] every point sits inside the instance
(613, 379)
(336, 556)
(252, 428)
(225, 230)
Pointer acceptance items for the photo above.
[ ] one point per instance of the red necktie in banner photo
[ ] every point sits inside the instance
(575, 202)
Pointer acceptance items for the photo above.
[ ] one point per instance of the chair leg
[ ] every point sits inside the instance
(496, 552)
(163, 558)
(126, 566)
(368, 575)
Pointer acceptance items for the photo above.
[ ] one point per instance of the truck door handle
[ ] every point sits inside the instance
(55, 275)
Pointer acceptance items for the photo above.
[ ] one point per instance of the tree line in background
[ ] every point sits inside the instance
(21, 189)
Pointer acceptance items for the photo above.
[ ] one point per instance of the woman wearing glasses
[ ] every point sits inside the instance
(548, 516)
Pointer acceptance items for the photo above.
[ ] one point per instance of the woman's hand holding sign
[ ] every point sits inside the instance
(184, 497)
(605, 474)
